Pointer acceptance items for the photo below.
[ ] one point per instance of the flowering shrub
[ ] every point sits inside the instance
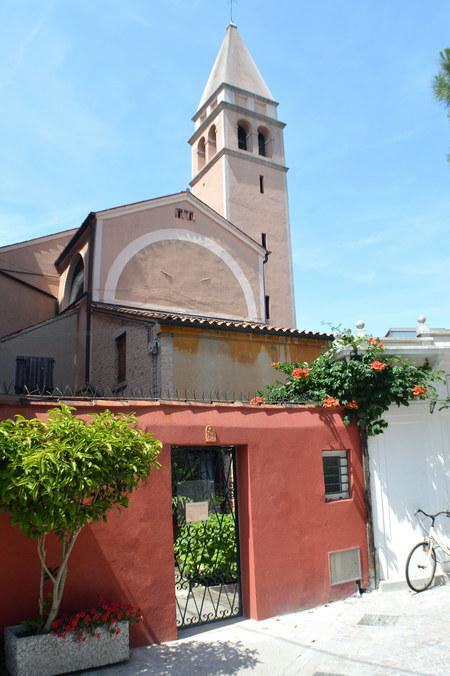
(357, 374)
(104, 615)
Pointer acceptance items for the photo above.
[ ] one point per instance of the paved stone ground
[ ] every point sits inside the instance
(381, 633)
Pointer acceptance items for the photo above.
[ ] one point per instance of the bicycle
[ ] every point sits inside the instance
(421, 562)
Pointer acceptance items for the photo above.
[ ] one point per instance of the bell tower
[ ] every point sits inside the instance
(238, 165)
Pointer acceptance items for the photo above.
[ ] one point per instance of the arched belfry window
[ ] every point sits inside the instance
(243, 136)
(201, 153)
(76, 281)
(263, 142)
(212, 141)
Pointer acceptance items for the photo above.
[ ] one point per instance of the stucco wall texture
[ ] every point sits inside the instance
(192, 360)
(153, 276)
(22, 306)
(286, 526)
(57, 338)
(233, 362)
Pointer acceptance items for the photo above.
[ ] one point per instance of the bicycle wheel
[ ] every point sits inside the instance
(421, 567)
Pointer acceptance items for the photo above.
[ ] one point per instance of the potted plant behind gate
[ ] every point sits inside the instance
(57, 476)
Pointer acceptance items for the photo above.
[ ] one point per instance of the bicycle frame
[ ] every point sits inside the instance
(434, 540)
(432, 537)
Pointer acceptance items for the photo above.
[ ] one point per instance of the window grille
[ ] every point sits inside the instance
(335, 472)
(34, 374)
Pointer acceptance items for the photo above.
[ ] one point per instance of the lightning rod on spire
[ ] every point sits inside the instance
(231, 13)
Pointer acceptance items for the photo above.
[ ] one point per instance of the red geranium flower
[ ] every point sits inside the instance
(330, 402)
(300, 374)
(378, 366)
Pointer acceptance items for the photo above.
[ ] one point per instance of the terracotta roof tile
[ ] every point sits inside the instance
(207, 322)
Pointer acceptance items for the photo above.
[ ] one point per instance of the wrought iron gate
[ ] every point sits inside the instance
(206, 542)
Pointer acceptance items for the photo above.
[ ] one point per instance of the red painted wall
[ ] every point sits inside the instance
(286, 527)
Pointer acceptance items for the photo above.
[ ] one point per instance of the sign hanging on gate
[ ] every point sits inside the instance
(196, 511)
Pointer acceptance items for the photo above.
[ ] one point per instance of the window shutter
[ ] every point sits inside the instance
(34, 374)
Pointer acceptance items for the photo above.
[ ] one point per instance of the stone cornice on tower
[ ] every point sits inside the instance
(226, 105)
(241, 154)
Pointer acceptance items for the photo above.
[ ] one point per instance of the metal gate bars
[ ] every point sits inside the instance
(206, 543)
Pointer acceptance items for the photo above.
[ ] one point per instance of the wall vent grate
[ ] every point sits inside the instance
(345, 565)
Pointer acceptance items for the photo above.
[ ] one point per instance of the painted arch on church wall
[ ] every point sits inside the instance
(183, 271)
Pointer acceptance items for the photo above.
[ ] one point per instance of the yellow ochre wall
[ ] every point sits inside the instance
(230, 361)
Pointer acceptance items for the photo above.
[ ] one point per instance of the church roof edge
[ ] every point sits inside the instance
(204, 321)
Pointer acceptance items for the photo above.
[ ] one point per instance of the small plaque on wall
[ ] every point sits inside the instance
(210, 434)
(196, 511)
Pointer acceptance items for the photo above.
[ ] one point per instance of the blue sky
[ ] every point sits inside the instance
(96, 100)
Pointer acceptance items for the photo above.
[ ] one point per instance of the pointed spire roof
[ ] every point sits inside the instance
(235, 66)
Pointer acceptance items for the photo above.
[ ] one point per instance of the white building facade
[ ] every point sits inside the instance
(410, 461)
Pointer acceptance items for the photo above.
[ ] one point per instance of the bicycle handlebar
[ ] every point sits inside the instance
(433, 517)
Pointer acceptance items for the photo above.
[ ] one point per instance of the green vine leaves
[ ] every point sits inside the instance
(358, 375)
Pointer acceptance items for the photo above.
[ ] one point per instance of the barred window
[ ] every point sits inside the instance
(335, 472)
(34, 374)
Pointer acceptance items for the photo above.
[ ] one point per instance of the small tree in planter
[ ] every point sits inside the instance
(61, 474)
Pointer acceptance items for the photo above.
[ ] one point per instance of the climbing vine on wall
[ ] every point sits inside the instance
(358, 375)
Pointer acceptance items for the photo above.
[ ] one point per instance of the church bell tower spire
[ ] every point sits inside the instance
(238, 165)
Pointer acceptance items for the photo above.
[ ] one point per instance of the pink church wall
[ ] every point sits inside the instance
(117, 232)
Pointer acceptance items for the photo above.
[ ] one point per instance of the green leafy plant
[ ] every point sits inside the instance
(206, 551)
(358, 375)
(60, 474)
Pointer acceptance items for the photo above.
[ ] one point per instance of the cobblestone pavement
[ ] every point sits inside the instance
(381, 633)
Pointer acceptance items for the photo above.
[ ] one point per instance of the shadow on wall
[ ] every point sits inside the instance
(194, 657)
(410, 468)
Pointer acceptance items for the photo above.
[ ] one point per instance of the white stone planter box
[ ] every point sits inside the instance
(47, 655)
